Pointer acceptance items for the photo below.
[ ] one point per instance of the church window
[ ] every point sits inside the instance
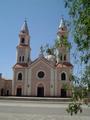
(61, 57)
(62, 28)
(63, 76)
(64, 57)
(2, 92)
(62, 36)
(22, 40)
(41, 74)
(20, 76)
(20, 59)
(23, 58)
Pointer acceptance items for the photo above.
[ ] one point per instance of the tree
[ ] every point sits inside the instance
(79, 11)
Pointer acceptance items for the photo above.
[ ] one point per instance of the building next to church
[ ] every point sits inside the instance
(45, 76)
(5, 86)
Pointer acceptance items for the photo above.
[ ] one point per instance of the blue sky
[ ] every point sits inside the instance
(43, 17)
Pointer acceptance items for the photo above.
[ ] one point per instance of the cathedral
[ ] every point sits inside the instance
(47, 76)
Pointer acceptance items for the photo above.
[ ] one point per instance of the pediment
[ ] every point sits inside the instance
(41, 62)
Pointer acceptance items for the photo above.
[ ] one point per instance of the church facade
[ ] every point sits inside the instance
(48, 75)
(45, 76)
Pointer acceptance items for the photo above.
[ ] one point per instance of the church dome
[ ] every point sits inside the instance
(50, 58)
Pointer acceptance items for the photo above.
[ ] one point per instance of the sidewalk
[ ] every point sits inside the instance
(37, 99)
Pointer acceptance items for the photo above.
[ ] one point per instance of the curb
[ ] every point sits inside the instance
(38, 99)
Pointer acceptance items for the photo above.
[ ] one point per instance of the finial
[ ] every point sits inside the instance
(41, 51)
(62, 16)
(24, 27)
(25, 20)
(62, 22)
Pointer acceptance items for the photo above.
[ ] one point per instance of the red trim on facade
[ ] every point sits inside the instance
(20, 65)
(64, 64)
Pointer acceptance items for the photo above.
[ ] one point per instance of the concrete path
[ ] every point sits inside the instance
(26, 110)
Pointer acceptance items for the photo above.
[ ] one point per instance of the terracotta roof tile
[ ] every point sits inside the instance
(23, 45)
(64, 64)
(20, 65)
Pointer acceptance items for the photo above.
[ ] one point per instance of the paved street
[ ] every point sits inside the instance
(25, 110)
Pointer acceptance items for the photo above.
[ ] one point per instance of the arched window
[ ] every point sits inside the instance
(20, 76)
(22, 40)
(64, 57)
(63, 76)
(7, 92)
(20, 59)
(2, 92)
(23, 58)
(61, 57)
(62, 36)
(62, 28)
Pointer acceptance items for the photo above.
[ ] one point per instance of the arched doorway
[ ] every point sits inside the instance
(2, 92)
(63, 93)
(7, 93)
(19, 92)
(40, 90)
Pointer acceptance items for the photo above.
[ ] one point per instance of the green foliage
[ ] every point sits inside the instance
(86, 78)
(62, 41)
(58, 43)
(79, 11)
(74, 108)
(65, 86)
(49, 50)
(80, 92)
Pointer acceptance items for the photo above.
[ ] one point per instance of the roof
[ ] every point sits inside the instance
(24, 28)
(41, 59)
(59, 65)
(64, 64)
(20, 65)
(24, 65)
(62, 23)
(23, 45)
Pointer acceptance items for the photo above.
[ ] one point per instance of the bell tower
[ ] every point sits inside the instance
(23, 48)
(63, 51)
